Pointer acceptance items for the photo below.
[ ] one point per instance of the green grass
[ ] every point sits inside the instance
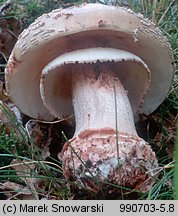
(176, 167)
(15, 143)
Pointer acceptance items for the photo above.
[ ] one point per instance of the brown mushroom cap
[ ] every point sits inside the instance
(82, 27)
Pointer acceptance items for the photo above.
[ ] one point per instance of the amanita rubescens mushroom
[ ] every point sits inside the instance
(106, 65)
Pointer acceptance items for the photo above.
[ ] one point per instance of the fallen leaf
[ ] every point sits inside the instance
(26, 171)
(12, 189)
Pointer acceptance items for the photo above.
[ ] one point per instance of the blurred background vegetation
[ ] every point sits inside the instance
(29, 168)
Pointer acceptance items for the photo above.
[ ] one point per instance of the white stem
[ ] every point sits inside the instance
(94, 100)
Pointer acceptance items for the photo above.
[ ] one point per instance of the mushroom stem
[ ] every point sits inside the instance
(94, 87)
(97, 150)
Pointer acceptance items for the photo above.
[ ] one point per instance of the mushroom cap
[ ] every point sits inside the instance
(82, 27)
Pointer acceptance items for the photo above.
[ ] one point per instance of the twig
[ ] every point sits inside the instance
(45, 122)
(10, 32)
(165, 12)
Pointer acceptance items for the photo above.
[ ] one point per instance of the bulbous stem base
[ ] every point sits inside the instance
(121, 160)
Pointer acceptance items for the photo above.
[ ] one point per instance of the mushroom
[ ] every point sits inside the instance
(107, 65)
